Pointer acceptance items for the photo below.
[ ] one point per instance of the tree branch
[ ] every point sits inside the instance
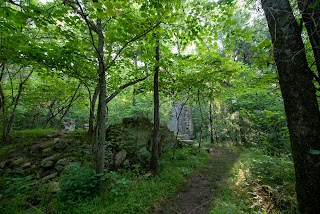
(17, 98)
(317, 78)
(2, 96)
(135, 38)
(16, 4)
(73, 98)
(121, 88)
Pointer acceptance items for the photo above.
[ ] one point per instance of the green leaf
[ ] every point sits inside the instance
(109, 8)
(97, 5)
(314, 152)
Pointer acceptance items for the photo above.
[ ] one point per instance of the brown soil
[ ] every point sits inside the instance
(203, 187)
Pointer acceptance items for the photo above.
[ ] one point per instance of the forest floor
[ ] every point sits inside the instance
(197, 196)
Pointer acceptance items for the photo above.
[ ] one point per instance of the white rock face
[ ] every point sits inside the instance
(69, 125)
(181, 121)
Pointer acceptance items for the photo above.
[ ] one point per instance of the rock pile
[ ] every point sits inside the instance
(47, 159)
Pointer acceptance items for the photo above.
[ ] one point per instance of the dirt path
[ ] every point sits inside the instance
(197, 196)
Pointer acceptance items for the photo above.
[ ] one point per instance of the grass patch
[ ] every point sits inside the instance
(22, 138)
(257, 183)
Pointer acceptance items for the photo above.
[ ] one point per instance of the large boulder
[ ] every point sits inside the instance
(50, 161)
(19, 161)
(134, 135)
(61, 164)
(47, 152)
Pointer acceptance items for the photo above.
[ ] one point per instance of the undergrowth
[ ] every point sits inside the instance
(126, 192)
(258, 183)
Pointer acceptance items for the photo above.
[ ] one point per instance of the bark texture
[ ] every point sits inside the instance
(311, 19)
(93, 101)
(155, 144)
(300, 101)
(211, 122)
(100, 130)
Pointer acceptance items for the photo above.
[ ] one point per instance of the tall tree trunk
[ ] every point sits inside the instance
(93, 101)
(100, 129)
(134, 103)
(5, 134)
(311, 18)
(202, 120)
(211, 122)
(300, 101)
(156, 119)
(5, 131)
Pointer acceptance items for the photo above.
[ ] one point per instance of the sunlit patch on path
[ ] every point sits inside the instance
(197, 196)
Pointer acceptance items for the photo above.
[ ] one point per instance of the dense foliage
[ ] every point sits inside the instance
(92, 63)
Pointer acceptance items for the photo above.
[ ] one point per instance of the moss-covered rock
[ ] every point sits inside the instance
(134, 135)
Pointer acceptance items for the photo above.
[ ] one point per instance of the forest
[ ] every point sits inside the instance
(160, 106)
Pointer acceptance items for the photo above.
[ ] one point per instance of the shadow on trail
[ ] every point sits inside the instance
(203, 187)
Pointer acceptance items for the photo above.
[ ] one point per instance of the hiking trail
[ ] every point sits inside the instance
(203, 187)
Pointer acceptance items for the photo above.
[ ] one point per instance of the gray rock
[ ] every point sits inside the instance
(126, 163)
(26, 165)
(19, 171)
(120, 158)
(60, 146)
(47, 163)
(50, 161)
(86, 126)
(181, 120)
(47, 144)
(34, 166)
(48, 177)
(69, 125)
(63, 162)
(35, 149)
(56, 140)
(19, 161)
(60, 165)
(147, 175)
(47, 152)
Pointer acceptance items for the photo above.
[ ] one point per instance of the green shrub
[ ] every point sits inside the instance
(14, 186)
(78, 182)
(117, 184)
(272, 175)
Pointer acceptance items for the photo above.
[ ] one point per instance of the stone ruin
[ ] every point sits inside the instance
(69, 125)
(181, 123)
